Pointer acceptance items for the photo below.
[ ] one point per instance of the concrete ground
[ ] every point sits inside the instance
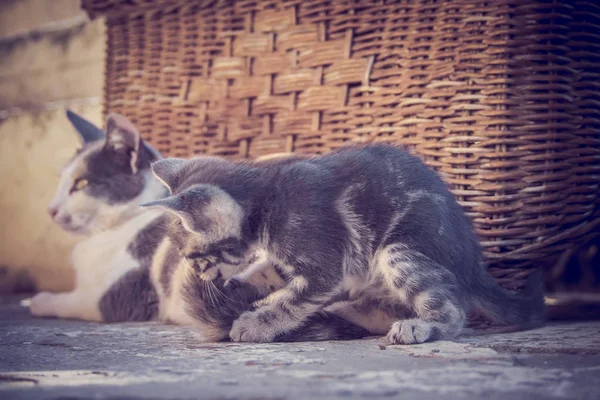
(57, 359)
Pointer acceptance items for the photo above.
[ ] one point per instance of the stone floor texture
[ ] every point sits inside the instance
(59, 359)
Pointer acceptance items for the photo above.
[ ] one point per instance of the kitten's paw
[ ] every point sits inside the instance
(409, 332)
(249, 328)
(41, 305)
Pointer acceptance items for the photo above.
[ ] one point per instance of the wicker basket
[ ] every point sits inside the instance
(502, 97)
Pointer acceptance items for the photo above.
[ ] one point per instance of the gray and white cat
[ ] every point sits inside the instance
(368, 234)
(126, 268)
(98, 195)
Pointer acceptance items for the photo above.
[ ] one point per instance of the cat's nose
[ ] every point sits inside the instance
(52, 211)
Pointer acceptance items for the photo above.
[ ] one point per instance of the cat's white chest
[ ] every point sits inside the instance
(104, 258)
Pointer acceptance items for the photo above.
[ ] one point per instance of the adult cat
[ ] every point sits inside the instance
(369, 233)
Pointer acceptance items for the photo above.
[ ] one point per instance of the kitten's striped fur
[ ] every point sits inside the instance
(369, 234)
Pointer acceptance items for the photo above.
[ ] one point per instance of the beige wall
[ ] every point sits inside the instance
(18, 17)
(51, 59)
(57, 61)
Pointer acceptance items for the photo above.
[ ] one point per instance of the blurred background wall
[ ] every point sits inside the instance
(51, 59)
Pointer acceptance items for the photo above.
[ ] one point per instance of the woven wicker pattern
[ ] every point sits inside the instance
(502, 97)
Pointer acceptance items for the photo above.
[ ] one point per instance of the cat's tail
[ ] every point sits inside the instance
(525, 310)
(324, 325)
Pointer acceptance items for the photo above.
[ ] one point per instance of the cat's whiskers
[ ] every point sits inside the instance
(223, 295)
(210, 287)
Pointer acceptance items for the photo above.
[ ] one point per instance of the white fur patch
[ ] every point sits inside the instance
(76, 304)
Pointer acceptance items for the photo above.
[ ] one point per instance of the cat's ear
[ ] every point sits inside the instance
(175, 205)
(124, 138)
(204, 209)
(87, 131)
(169, 171)
(171, 204)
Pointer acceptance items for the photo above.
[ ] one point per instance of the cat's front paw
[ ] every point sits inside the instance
(409, 332)
(250, 327)
(40, 305)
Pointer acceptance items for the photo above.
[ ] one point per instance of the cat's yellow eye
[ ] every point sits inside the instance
(80, 184)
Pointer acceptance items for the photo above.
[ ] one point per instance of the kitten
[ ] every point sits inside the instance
(368, 236)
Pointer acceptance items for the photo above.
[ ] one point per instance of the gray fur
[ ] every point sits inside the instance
(365, 220)
(108, 168)
(324, 326)
(131, 298)
(212, 304)
(147, 240)
(217, 305)
(168, 169)
(88, 131)
(110, 177)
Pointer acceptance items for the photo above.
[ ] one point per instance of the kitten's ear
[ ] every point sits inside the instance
(204, 208)
(87, 131)
(175, 205)
(123, 137)
(169, 171)
(183, 206)
(171, 203)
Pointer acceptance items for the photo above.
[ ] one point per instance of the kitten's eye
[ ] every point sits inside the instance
(79, 184)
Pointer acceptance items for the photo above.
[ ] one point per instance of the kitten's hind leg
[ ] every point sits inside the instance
(428, 290)
(65, 305)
